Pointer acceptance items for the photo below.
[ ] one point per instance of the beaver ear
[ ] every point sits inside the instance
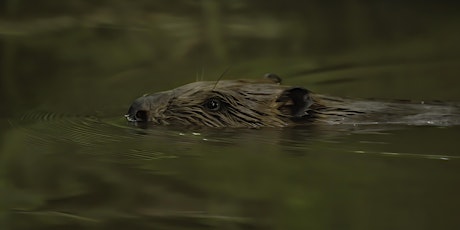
(273, 77)
(297, 100)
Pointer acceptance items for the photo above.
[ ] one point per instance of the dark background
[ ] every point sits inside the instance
(81, 56)
(70, 69)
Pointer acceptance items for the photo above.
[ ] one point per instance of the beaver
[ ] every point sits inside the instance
(268, 103)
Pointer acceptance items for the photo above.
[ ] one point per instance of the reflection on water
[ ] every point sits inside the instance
(68, 158)
(96, 172)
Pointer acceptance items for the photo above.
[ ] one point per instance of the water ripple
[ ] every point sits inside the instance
(48, 132)
(412, 155)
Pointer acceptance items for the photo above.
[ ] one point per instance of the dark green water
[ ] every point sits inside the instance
(69, 160)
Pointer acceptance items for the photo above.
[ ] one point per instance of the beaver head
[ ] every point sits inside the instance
(226, 103)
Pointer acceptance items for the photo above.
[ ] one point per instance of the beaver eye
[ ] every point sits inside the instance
(213, 104)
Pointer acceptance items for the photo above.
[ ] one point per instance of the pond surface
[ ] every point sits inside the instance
(69, 159)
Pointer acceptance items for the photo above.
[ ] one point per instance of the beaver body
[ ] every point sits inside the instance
(267, 103)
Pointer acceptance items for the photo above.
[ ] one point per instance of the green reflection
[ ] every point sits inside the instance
(79, 165)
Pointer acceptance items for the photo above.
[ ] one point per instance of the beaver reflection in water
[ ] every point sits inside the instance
(267, 103)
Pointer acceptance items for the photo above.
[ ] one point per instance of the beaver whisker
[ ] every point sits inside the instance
(220, 77)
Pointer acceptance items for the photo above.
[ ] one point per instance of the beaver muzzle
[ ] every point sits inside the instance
(139, 110)
(142, 108)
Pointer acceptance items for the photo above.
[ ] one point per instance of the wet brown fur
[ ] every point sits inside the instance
(267, 103)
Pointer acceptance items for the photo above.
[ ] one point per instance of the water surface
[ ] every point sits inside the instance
(69, 159)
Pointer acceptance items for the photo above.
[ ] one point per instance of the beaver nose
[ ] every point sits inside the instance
(139, 110)
(148, 107)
